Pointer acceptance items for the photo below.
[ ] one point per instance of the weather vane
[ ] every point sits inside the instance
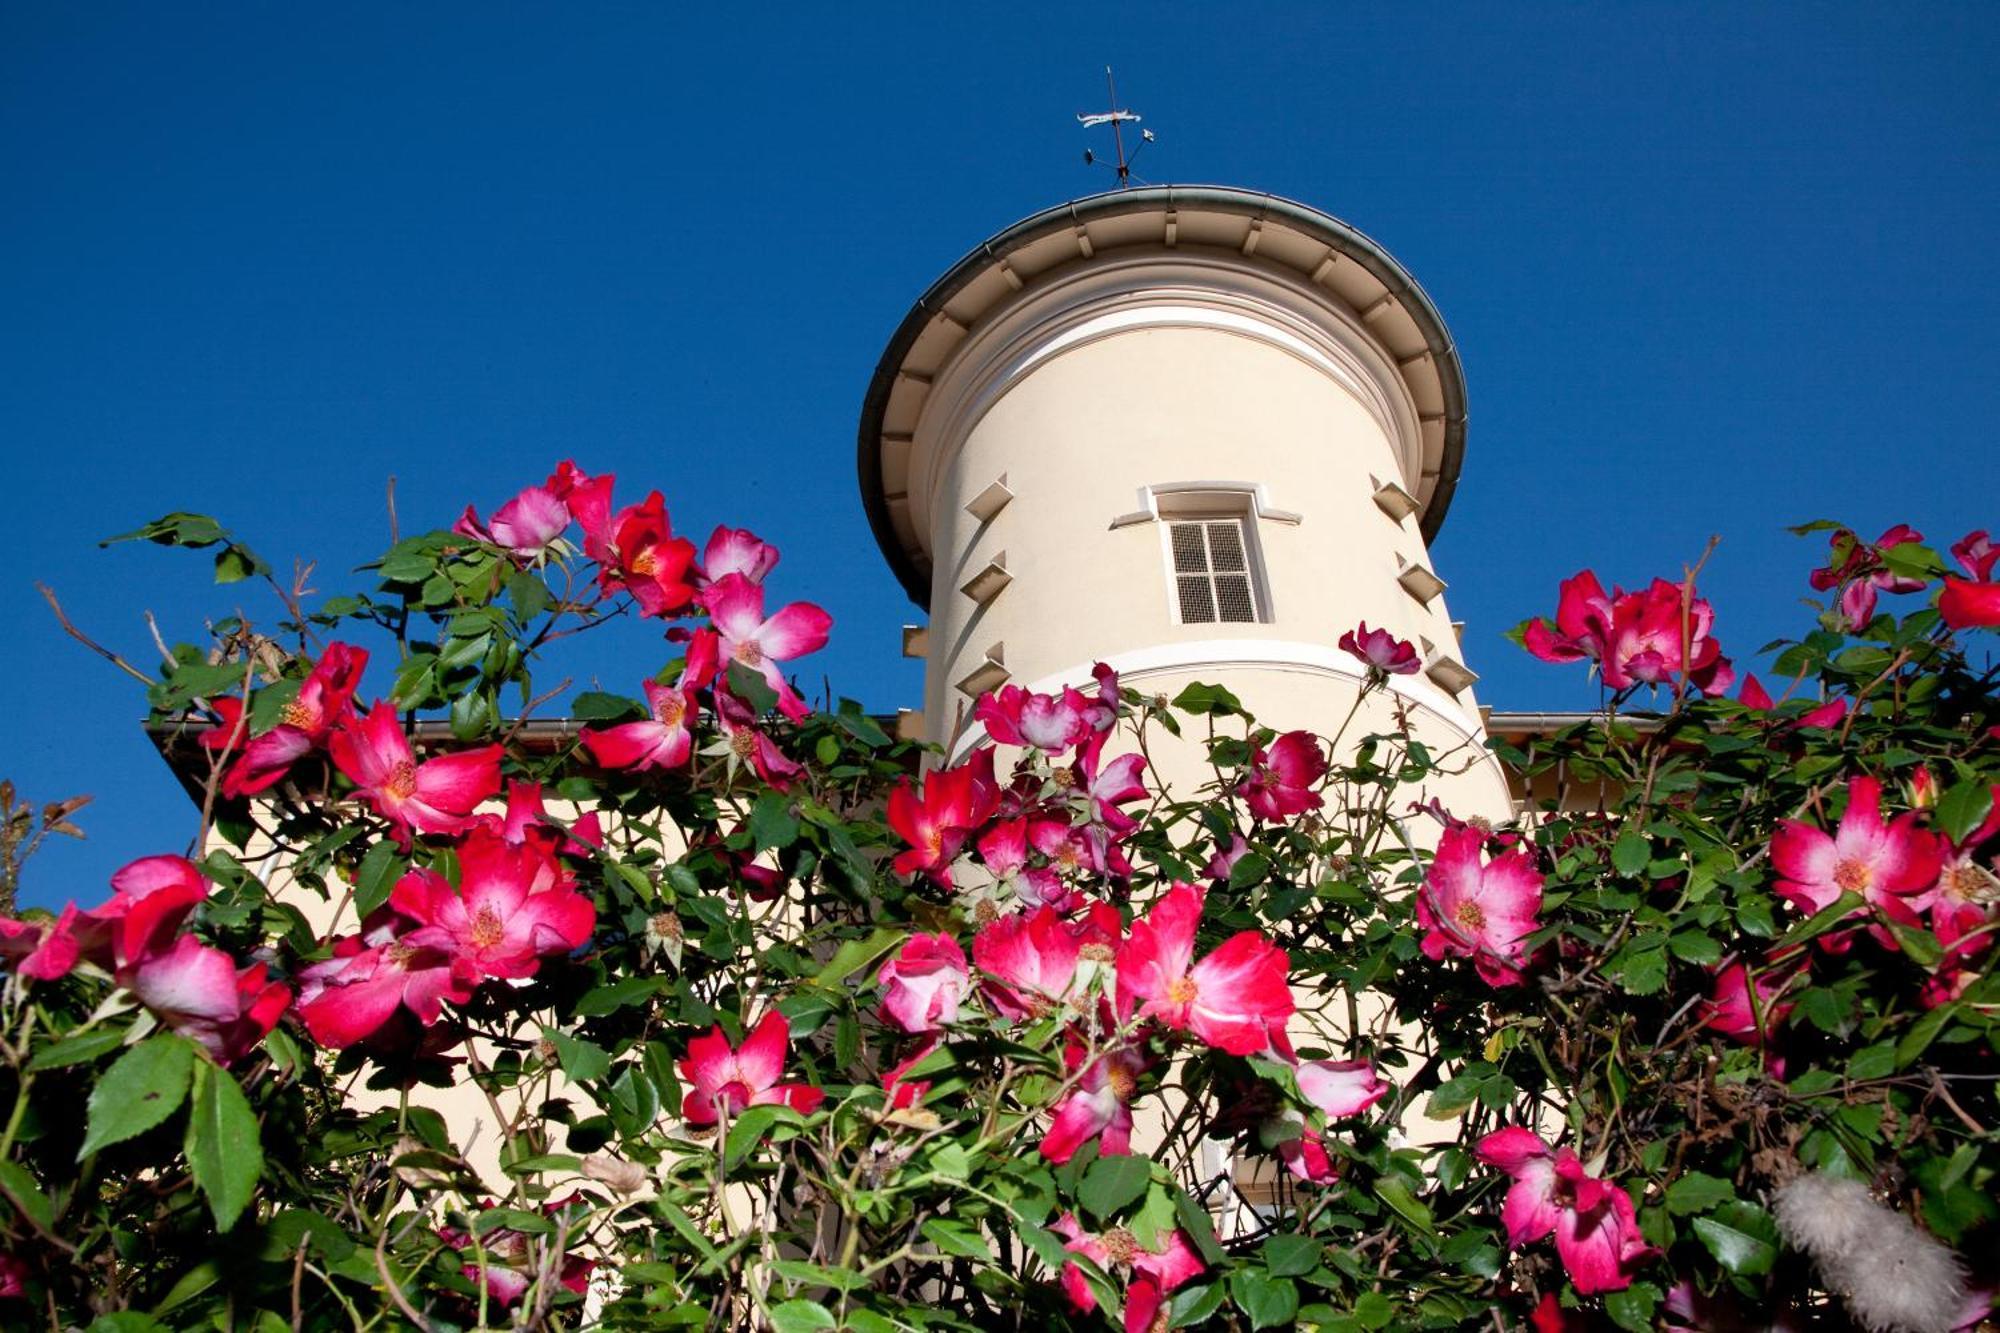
(1117, 118)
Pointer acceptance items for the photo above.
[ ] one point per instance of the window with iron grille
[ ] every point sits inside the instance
(1213, 577)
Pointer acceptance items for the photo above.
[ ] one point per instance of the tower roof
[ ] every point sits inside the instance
(1264, 228)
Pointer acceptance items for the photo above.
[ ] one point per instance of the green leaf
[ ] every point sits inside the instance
(1455, 1095)
(1412, 1209)
(1192, 1305)
(534, 1166)
(853, 955)
(377, 874)
(20, 1187)
(142, 1088)
(1199, 1227)
(1821, 921)
(223, 1147)
(859, 725)
(1963, 808)
(595, 706)
(1248, 870)
(1742, 1237)
(956, 1238)
(1113, 1183)
(1922, 1033)
(1269, 1301)
(1697, 1193)
(773, 823)
(1691, 946)
(1155, 1219)
(1922, 946)
(529, 594)
(678, 1219)
(1631, 852)
(584, 1061)
(751, 688)
(1877, 1061)
(1633, 1307)
(179, 528)
(1291, 1256)
(1200, 698)
(76, 1050)
(616, 995)
(753, 1127)
(801, 1317)
(1373, 1310)
(816, 1275)
(233, 564)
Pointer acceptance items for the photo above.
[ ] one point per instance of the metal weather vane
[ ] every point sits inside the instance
(1117, 118)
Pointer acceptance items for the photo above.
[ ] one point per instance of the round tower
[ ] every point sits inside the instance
(1195, 432)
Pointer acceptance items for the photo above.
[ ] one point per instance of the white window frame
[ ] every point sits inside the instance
(1245, 503)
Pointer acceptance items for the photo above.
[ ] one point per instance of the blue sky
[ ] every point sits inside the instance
(1711, 270)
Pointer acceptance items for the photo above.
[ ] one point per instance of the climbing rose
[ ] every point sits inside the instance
(1728, 1009)
(924, 982)
(349, 997)
(747, 744)
(1885, 862)
(1232, 999)
(1341, 1087)
(1380, 650)
(527, 820)
(1098, 1106)
(1857, 569)
(736, 608)
(1282, 778)
(738, 551)
(44, 950)
(663, 740)
(436, 796)
(1634, 637)
(525, 527)
(1977, 553)
(1597, 1233)
(1003, 850)
(1966, 899)
(638, 552)
(955, 802)
(325, 698)
(512, 906)
(1304, 1152)
(1965, 604)
(150, 899)
(729, 1082)
(1482, 912)
(198, 992)
(1165, 1268)
(504, 1262)
(1048, 722)
(1029, 961)
(1107, 786)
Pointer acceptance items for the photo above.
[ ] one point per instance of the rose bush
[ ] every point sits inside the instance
(740, 1018)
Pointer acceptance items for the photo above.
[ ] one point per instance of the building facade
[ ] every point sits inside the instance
(1195, 432)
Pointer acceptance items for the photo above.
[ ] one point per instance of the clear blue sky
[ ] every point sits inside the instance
(1711, 271)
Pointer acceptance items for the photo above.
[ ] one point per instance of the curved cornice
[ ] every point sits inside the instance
(1262, 229)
